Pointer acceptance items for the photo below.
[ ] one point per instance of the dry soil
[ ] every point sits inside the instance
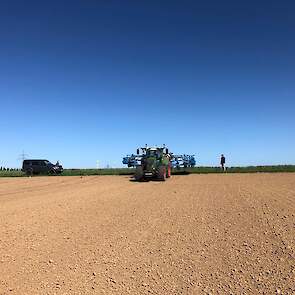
(196, 234)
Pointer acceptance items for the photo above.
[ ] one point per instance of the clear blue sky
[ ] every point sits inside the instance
(82, 81)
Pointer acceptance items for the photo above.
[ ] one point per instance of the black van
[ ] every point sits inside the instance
(31, 167)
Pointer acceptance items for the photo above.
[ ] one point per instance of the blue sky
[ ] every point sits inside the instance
(82, 81)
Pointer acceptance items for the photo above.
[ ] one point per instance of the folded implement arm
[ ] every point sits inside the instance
(178, 161)
(132, 160)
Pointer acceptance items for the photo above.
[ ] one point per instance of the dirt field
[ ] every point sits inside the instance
(196, 234)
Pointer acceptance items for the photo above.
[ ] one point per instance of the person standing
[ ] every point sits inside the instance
(222, 162)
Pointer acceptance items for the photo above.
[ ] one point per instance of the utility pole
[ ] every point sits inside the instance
(22, 156)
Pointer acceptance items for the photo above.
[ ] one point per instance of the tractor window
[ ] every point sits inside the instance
(152, 153)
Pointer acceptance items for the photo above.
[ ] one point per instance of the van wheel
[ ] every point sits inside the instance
(52, 172)
(29, 172)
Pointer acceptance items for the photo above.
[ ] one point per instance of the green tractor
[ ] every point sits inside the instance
(154, 164)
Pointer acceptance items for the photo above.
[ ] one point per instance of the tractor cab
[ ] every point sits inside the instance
(153, 152)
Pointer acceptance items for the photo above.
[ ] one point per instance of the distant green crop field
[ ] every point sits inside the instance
(249, 169)
(181, 171)
(11, 173)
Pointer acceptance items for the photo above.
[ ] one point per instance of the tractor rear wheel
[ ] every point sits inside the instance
(168, 171)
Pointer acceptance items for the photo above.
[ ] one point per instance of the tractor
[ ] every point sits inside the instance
(150, 163)
(156, 162)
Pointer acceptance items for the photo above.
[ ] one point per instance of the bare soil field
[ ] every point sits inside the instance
(195, 234)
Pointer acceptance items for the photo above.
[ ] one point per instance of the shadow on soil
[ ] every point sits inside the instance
(145, 180)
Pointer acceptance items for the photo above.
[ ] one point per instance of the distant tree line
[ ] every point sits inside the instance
(9, 169)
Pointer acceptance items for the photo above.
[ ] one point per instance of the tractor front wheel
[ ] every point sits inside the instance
(138, 176)
(162, 173)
